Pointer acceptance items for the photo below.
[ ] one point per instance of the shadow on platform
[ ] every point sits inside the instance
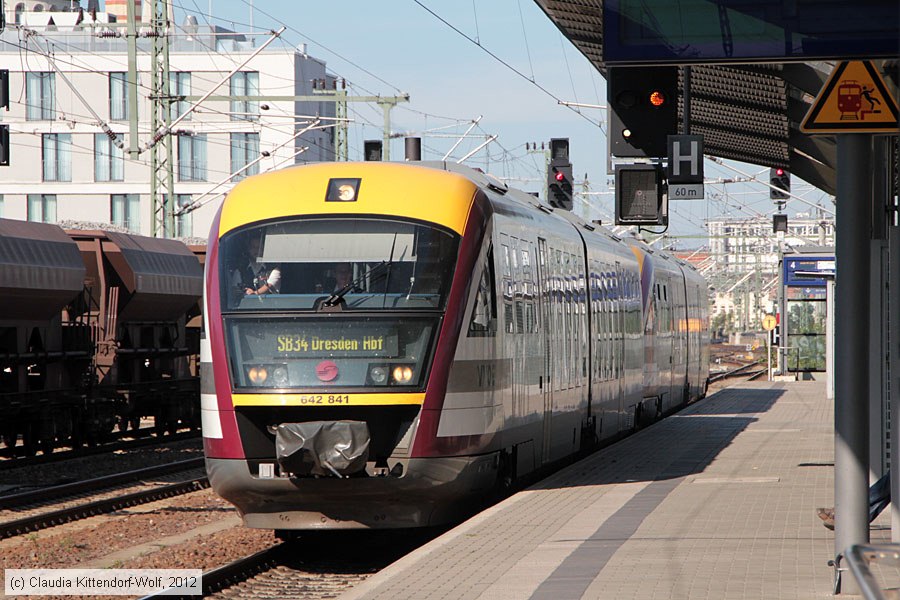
(677, 446)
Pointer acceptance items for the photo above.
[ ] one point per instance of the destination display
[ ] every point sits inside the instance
(368, 345)
(279, 340)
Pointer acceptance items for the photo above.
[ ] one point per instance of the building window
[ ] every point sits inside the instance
(192, 157)
(109, 159)
(245, 83)
(40, 96)
(244, 150)
(180, 85)
(184, 223)
(20, 8)
(125, 211)
(57, 155)
(42, 208)
(119, 94)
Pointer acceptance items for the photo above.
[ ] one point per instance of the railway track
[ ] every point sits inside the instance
(742, 371)
(122, 441)
(27, 512)
(315, 565)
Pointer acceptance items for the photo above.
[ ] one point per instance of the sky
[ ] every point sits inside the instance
(501, 60)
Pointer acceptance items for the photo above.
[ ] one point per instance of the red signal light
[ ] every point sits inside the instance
(657, 98)
(779, 171)
(559, 176)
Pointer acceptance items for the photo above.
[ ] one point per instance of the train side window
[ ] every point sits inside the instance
(484, 312)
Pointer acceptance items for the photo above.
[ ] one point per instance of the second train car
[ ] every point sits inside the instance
(385, 342)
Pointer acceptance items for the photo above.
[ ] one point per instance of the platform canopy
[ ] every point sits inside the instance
(746, 112)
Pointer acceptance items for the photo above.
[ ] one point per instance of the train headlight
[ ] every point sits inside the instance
(280, 377)
(342, 189)
(378, 374)
(258, 375)
(402, 374)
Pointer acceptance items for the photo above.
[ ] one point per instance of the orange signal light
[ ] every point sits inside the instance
(657, 98)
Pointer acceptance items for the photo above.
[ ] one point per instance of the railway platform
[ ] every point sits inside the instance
(718, 501)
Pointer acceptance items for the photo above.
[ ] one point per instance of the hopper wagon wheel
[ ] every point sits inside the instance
(134, 423)
(159, 424)
(122, 423)
(29, 440)
(47, 446)
(9, 436)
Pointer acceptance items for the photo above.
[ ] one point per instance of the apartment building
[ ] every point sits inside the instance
(68, 79)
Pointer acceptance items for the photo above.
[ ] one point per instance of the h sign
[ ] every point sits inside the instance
(685, 159)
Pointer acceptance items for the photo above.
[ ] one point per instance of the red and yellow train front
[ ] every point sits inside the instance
(333, 300)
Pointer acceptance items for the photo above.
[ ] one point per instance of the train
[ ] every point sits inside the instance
(483, 337)
(98, 330)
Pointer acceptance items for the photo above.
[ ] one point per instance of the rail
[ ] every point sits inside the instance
(99, 507)
(124, 440)
(97, 483)
(732, 373)
(861, 556)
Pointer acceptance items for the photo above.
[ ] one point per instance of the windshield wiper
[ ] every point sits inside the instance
(336, 297)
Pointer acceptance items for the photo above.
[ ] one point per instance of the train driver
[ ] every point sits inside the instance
(343, 276)
(255, 277)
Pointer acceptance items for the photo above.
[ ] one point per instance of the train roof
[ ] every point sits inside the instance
(495, 185)
(163, 276)
(302, 190)
(40, 270)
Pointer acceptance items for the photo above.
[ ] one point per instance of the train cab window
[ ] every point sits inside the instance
(484, 311)
(392, 265)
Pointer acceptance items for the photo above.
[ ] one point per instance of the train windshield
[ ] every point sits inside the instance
(362, 263)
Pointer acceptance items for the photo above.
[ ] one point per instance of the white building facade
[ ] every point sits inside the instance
(64, 168)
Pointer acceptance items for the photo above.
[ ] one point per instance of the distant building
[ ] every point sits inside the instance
(62, 165)
(742, 265)
(737, 245)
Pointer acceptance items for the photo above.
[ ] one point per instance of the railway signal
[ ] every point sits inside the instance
(4, 88)
(641, 197)
(559, 175)
(643, 110)
(372, 150)
(781, 179)
(4, 145)
(779, 223)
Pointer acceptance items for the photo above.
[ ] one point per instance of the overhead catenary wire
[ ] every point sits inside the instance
(198, 202)
(501, 61)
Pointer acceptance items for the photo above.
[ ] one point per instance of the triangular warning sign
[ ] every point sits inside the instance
(855, 99)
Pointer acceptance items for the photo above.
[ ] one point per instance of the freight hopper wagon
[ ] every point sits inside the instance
(387, 344)
(139, 294)
(45, 351)
(92, 334)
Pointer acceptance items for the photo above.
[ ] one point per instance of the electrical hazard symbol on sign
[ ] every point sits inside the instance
(855, 99)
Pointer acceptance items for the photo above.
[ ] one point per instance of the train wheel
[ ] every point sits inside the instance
(29, 440)
(135, 423)
(159, 424)
(47, 446)
(9, 437)
(122, 423)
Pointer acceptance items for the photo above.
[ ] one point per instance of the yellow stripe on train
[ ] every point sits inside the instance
(385, 189)
(327, 399)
